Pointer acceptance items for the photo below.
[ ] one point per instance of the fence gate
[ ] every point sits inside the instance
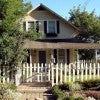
(36, 73)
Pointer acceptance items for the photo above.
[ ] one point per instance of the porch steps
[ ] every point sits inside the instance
(30, 92)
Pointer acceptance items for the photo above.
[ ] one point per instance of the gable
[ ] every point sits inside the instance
(47, 18)
(42, 7)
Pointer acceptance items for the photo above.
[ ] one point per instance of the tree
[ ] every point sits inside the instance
(11, 34)
(89, 25)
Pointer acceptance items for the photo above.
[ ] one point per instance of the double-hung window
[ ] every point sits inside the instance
(30, 25)
(51, 27)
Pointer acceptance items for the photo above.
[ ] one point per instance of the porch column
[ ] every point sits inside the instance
(26, 25)
(30, 65)
(30, 57)
(71, 54)
(52, 68)
(52, 57)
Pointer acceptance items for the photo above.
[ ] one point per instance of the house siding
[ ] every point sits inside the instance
(66, 31)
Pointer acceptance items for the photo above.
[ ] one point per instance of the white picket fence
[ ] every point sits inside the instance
(78, 71)
(60, 73)
(6, 75)
(55, 74)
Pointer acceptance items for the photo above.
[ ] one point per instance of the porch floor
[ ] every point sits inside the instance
(32, 91)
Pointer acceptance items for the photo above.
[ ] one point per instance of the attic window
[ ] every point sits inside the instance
(40, 9)
(51, 28)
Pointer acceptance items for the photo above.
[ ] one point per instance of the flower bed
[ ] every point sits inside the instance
(77, 90)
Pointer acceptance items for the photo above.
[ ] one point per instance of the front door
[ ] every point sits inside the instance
(43, 68)
(42, 57)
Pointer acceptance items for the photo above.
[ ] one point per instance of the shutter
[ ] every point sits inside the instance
(58, 28)
(68, 56)
(45, 27)
(37, 26)
(24, 26)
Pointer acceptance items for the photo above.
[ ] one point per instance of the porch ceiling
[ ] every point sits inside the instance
(58, 45)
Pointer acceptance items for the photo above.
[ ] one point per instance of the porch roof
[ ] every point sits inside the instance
(58, 45)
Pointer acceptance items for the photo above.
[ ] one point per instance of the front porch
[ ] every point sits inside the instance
(54, 63)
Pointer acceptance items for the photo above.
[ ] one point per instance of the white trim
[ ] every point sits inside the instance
(26, 25)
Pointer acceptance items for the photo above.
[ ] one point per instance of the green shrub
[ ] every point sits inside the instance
(70, 86)
(66, 86)
(12, 87)
(59, 95)
(75, 87)
(90, 83)
(8, 92)
(73, 98)
(79, 98)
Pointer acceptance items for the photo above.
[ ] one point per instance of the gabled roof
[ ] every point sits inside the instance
(51, 11)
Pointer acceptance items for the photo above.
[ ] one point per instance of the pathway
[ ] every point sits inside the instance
(31, 92)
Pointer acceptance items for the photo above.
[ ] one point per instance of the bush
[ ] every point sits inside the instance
(8, 92)
(74, 96)
(70, 86)
(90, 83)
(66, 86)
(12, 87)
(75, 87)
(59, 95)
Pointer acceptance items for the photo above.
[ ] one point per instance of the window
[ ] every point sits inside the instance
(61, 55)
(34, 26)
(30, 25)
(51, 28)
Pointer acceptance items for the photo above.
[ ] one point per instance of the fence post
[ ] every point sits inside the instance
(73, 72)
(69, 72)
(0, 73)
(38, 72)
(18, 77)
(52, 74)
(78, 68)
(57, 74)
(45, 72)
(41, 74)
(61, 73)
(3, 74)
(94, 70)
(65, 72)
(31, 67)
(98, 70)
(86, 69)
(48, 72)
(82, 69)
(27, 73)
(90, 70)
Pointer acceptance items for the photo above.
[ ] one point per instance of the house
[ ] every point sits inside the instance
(55, 29)
(52, 56)
(57, 45)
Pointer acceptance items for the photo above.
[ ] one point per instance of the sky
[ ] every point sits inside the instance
(62, 7)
